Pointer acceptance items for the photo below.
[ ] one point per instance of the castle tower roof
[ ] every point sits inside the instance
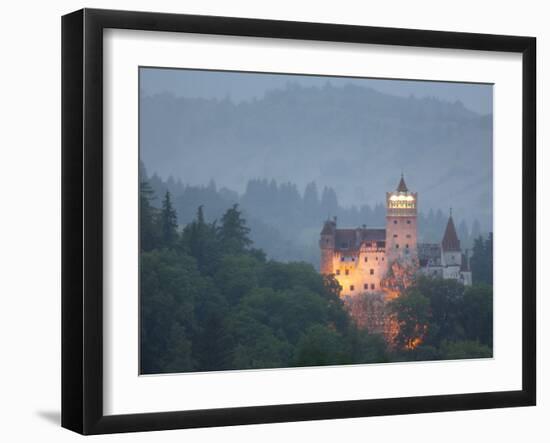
(450, 240)
(329, 227)
(402, 187)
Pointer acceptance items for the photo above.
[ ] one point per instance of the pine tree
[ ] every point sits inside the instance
(168, 222)
(199, 239)
(482, 260)
(311, 202)
(149, 234)
(329, 202)
(233, 232)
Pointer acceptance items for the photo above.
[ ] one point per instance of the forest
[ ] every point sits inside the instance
(285, 222)
(211, 299)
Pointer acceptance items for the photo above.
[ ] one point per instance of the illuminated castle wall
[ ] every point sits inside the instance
(360, 257)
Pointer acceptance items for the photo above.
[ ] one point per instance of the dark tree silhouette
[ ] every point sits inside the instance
(233, 232)
(482, 260)
(168, 222)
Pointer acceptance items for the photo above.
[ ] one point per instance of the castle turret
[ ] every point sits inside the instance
(451, 254)
(401, 228)
(327, 243)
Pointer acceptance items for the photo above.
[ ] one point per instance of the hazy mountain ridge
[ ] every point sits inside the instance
(353, 139)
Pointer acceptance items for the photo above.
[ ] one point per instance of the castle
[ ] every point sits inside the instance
(363, 259)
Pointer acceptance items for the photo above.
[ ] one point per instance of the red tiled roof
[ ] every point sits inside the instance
(345, 238)
(450, 240)
(352, 238)
(402, 187)
(373, 234)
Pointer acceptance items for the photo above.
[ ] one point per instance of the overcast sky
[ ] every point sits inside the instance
(239, 87)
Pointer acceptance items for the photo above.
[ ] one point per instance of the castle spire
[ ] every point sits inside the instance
(402, 187)
(450, 240)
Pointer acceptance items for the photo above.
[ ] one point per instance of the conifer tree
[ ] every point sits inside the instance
(482, 260)
(168, 222)
(233, 232)
(199, 240)
(147, 218)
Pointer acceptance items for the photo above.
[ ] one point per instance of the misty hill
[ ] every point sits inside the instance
(352, 139)
(286, 223)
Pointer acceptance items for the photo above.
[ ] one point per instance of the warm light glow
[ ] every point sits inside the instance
(401, 201)
(414, 343)
(408, 198)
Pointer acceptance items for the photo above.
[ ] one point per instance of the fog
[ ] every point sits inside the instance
(355, 136)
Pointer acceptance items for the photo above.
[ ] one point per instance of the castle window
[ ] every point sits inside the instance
(395, 222)
(327, 240)
(408, 222)
(347, 271)
(338, 272)
(407, 246)
(382, 258)
(372, 272)
(366, 259)
(366, 286)
(376, 257)
(408, 235)
(342, 258)
(372, 286)
(351, 288)
(397, 246)
(394, 235)
(352, 258)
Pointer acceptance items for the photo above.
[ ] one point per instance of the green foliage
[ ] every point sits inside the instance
(412, 312)
(368, 348)
(198, 239)
(465, 349)
(321, 345)
(169, 286)
(481, 261)
(168, 223)
(477, 313)
(454, 317)
(233, 232)
(210, 301)
(148, 228)
(445, 300)
(236, 276)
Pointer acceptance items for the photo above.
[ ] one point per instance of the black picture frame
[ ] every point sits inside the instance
(82, 218)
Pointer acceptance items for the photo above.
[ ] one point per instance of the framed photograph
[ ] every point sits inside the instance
(269, 221)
